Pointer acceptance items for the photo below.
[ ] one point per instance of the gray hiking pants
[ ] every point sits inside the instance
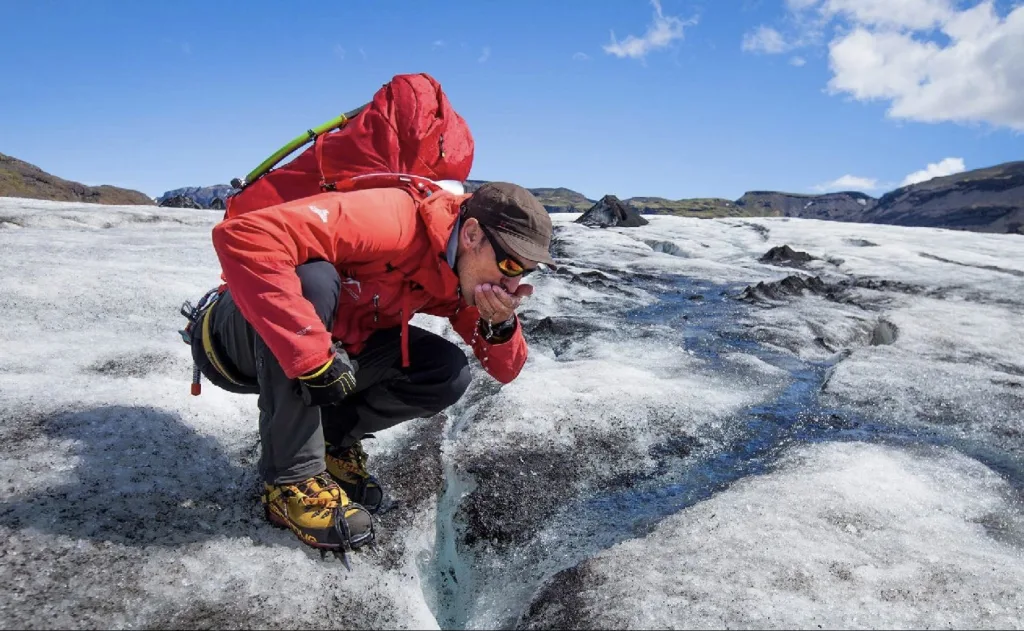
(293, 435)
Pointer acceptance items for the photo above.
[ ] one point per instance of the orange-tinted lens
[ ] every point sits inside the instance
(509, 267)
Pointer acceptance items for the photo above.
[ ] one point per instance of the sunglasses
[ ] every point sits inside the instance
(507, 264)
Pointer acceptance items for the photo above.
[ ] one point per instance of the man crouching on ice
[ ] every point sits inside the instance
(314, 317)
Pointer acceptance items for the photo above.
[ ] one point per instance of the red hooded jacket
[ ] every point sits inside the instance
(390, 251)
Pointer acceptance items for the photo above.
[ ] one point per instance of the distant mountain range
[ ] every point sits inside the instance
(983, 200)
(21, 179)
(204, 196)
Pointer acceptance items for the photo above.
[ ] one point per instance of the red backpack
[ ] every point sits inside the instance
(408, 135)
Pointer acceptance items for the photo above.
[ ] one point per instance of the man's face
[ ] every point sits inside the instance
(478, 263)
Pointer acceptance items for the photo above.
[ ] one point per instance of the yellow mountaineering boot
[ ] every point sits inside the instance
(319, 513)
(348, 468)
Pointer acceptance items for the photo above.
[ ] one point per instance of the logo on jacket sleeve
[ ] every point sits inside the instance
(319, 212)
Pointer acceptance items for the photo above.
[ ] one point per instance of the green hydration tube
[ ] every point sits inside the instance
(309, 136)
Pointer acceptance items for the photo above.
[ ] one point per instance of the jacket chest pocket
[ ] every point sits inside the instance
(380, 301)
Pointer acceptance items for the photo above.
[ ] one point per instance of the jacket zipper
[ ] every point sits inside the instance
(376, 305)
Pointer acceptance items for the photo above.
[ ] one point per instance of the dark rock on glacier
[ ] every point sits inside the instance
(881, 284)
(785, 255)
(609, 212)
(787, 287)
(561, 326)
(841, 291)
(861, 243)
(560, 333)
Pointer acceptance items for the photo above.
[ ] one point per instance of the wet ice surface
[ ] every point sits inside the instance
(839, 536)
(677, 453)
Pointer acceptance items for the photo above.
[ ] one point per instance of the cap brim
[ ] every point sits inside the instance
(524, 249)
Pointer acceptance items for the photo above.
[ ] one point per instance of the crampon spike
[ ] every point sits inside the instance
(344, 559)
(338, 554)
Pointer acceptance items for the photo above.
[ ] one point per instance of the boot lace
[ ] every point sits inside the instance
(327, 496)
(352, 459)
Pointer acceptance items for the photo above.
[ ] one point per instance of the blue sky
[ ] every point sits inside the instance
(705, 98)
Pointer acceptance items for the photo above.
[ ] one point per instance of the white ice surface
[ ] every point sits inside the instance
(94, 394)
(959, 354)
(89, 299)
(841, 536)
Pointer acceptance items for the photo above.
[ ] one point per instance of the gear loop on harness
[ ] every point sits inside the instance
(199, 323)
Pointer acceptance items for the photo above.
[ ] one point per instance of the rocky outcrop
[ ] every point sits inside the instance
(697, 207)
(21, 179)
(554, 200)
(982, 200)
(787, 287)
(180, 201)
(562, 200)
(609, 212)
(204, 196)
(835, 206)
(785, 255)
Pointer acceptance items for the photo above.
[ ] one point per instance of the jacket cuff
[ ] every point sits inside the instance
(498, 333)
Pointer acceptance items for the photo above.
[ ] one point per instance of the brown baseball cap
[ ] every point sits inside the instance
(515, 218)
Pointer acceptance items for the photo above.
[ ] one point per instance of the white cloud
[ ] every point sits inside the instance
(660, 33)
(912, 14)
(799, 29)
(929, 60)
(485, 54)
(438, 43)
(949, 166)
(848, 183)
(186, 48)
(339, 52)
(797, 61)
(978, 76)
(362, 53)
(764, 40)
(580, 56)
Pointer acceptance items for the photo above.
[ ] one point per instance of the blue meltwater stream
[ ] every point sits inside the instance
(706, 318)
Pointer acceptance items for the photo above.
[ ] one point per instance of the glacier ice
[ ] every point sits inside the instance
(671, 456)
